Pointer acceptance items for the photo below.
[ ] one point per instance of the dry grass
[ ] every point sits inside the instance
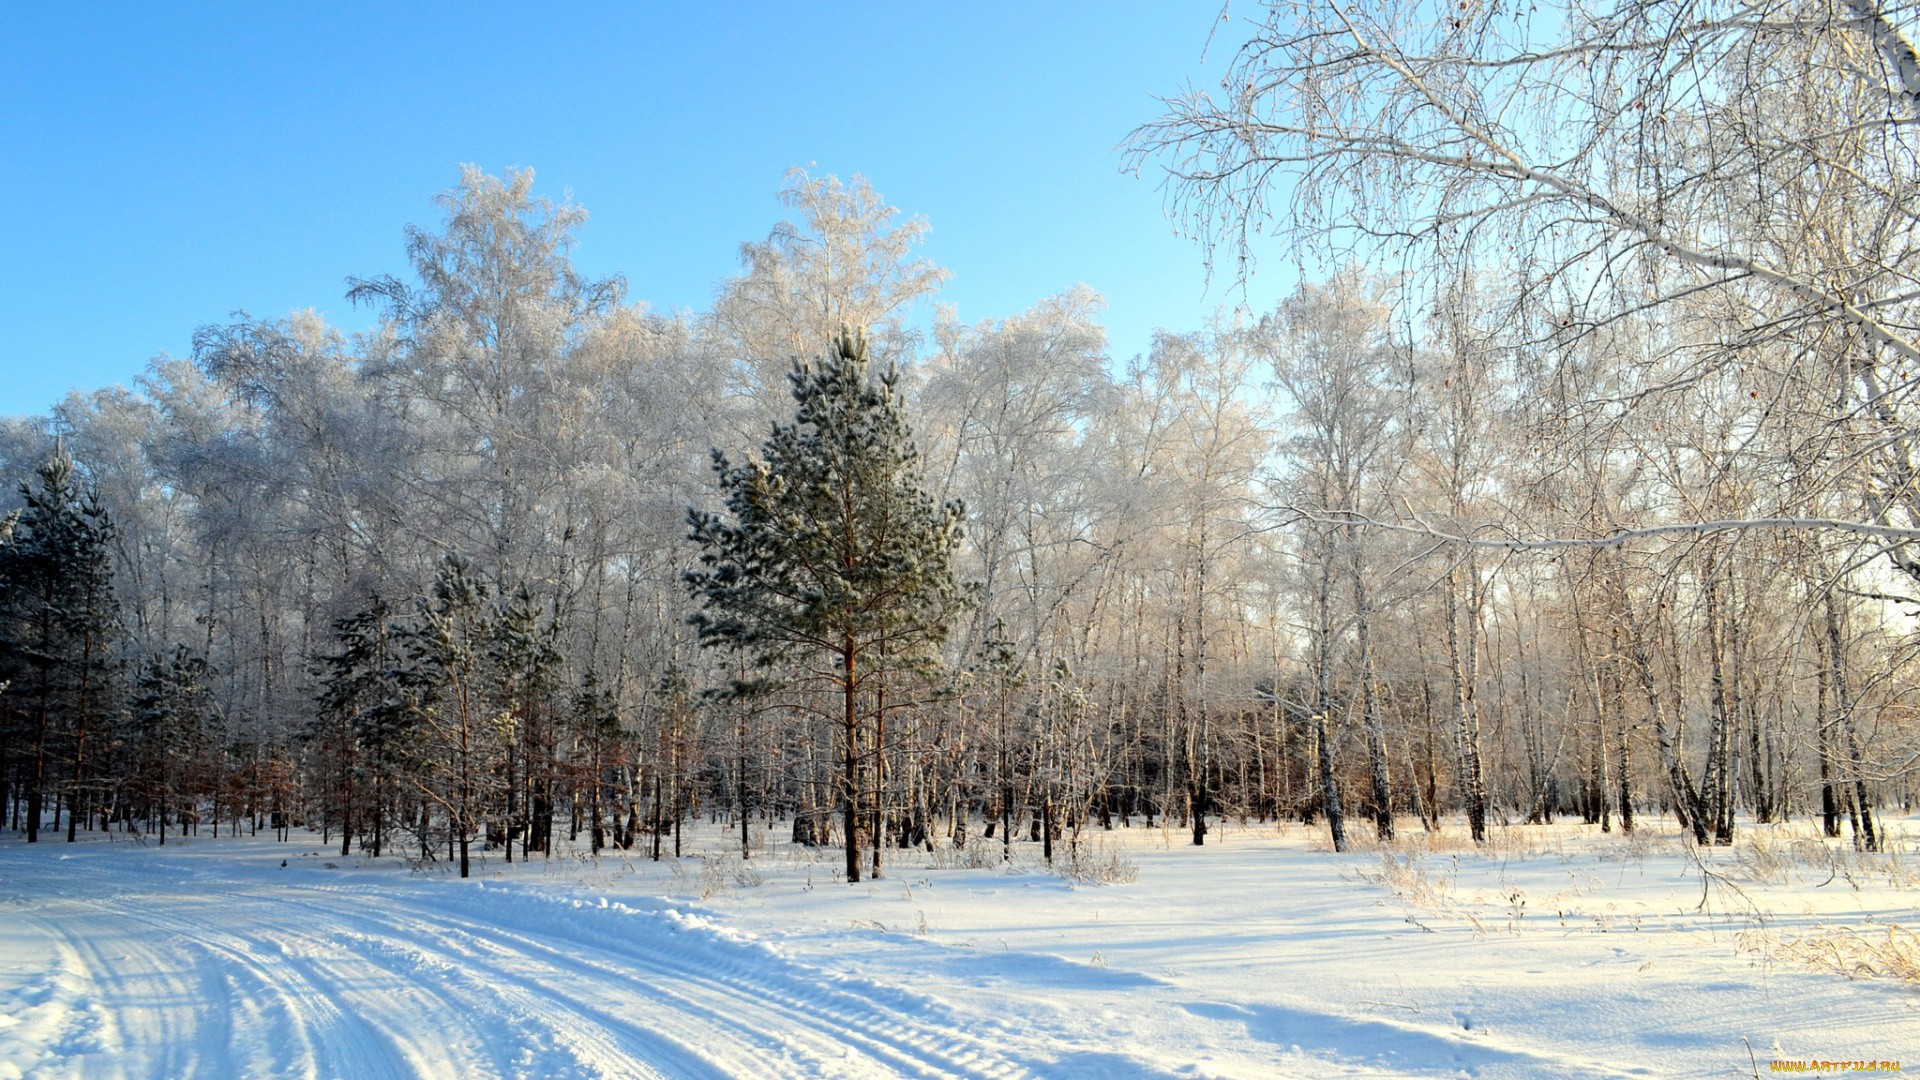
(1782, 854)
(1083, 861)
(1513, 843)
(1776, 854)
(714, 874)
(1406, 877)
(979, 854)
(1092, 862)
(1874, 951)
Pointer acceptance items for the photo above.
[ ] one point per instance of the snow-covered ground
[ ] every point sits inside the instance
(1556, 953)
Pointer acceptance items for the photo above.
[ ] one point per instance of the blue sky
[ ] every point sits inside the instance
(165, 165)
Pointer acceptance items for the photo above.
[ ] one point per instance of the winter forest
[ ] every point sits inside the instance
(1574, 479)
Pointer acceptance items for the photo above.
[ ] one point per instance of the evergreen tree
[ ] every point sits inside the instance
(676, 708)
(447, 695)
(523, 659)
(365, 734)
(59, 621)
(595, 725)
(830, 558)
(169, 727)
(997, 672)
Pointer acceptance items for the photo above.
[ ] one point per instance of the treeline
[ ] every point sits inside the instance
(530, 557)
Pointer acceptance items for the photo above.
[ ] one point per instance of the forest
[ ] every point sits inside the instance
(1575, 478)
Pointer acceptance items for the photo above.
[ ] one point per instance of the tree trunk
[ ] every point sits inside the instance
(1379, 771)
(1865, 836)
(1463, 662)
(879, 766)
(850, 762)
(1686, 799)
(1717, 784)
(1323, 702)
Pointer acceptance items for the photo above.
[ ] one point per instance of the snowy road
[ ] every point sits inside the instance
(153, 971)
(1260, 957)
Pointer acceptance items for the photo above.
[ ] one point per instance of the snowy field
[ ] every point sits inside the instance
(1556, 953)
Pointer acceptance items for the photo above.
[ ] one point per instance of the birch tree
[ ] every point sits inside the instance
(1611, 164)
(1346, 382)
(848, 262)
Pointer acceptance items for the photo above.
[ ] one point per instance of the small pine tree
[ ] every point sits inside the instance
(997, 672)
(595, 723)
(523, 661)
(364, 734)
(168, 723)
(676, 711)
(830, 551)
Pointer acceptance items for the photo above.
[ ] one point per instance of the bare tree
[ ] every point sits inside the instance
(1610, 164)
(847, 262)
(1347, 383)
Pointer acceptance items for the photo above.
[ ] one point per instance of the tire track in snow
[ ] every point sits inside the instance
(231, 978)
(388, 1008)
(720, 981)
(195, 1000)
(835, 1016)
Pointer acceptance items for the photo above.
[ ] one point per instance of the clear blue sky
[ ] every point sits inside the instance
(165, 165)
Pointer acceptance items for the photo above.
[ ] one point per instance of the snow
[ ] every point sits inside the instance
(1556, 952)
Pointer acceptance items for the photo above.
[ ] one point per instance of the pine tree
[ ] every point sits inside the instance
(831, 557)
(676, 712)
(445, 685)
(997, 672)
(595, 726)
(365, 734)
(169, 725)
(523, 660)
(59, 621)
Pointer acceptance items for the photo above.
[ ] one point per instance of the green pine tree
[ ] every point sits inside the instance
(523, 662)
(59, 621)
(997, 672)
(169, 710)
(831, 564)
(594, 725)
(446, 690)
(364, 735)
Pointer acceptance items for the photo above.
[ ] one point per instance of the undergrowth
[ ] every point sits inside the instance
(1871, 951)
(1759, 889)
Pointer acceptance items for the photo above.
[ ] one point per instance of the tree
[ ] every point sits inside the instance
(478, 347)
(830, 557)
(59, 619)
(446, 679)
(846, 263)
(1333, 358)
(523, 664)
(365, 731)
(1208, 441)
(996, 671)
(169, 722)
(1005, 409)
(1728, 175)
